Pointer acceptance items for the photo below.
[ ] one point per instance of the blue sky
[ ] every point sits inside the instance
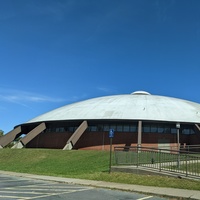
(56, 52)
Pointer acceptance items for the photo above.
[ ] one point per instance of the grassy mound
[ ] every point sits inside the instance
(93, 165)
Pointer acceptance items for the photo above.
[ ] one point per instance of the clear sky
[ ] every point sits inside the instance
(56, 52)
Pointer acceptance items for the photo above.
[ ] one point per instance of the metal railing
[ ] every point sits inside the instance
(190, 148)
(183, 163)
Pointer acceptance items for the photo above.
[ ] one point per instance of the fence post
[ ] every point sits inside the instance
(186, 164)
(137, 156)
(160, 160)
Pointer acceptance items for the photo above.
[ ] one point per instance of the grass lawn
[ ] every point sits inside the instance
(93, 165)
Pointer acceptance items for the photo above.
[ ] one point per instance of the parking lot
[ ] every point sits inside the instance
(20, 188)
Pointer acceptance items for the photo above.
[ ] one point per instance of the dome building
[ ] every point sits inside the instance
(138, 119)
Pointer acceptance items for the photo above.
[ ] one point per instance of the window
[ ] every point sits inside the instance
(167, 129)
(186, 131)
(106, 127)
(48, 130)
(60, 129)
(192, 131)
(93, 128)
(71, 129)
(113, 127)
(154, 128)
(146, 128)
(173, 130)
(119, 128)
(100, 127)
(133, 128)
(160, 129)
(126, 128)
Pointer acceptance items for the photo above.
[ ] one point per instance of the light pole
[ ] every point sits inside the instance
(178, 143)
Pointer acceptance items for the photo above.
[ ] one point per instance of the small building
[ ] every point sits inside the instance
(138, 119)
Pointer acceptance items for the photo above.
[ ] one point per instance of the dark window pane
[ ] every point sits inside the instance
(167, 129)
(100, 127)
(126, 128)
(154, 129)
(113, 127)
(146, 129)
(186, 131)
(106, 127)
(119, 128)
(160, 129)
(93, 128)
(192, 131)
(173, 130)
(133, 128)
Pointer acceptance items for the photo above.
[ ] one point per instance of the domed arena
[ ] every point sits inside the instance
(137, 119)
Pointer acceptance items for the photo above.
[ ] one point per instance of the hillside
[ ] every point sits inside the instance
(93, 165)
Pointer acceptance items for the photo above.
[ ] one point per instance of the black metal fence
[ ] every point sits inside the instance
(190, 148)
(185, 163)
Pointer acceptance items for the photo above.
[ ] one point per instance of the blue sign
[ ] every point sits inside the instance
(111, 133)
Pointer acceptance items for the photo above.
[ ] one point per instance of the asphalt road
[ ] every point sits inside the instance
(12, 187)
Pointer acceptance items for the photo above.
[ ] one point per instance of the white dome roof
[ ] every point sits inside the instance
(136, 106)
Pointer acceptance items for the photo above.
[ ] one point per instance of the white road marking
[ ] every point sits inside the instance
(13, 197)
(53, 194)
(19, 187)
(145, 198)
(12, 181)
(19, 192)
(51, 186)
(38, 191)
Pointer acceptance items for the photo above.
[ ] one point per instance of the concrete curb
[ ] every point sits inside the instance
(168, 192)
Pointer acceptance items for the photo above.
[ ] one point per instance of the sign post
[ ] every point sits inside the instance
(111, 135)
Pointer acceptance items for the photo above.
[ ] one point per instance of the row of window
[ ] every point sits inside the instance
(146, 128)
(118, 128)
(167, 128)
(105, 127)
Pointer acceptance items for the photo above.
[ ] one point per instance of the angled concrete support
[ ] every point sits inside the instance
(68, 146)
(75, 136)
(32, 134)
(18, 145)
(197, 127)
(9, 137)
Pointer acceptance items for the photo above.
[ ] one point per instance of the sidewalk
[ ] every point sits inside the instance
(168, 192)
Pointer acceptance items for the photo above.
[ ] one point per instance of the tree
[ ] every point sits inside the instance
(1, 133)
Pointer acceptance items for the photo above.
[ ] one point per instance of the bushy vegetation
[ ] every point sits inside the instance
(1, 133)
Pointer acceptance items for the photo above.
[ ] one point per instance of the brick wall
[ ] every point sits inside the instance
(101, 140)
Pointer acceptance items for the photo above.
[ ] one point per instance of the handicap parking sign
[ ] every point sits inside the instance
(111, 133)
